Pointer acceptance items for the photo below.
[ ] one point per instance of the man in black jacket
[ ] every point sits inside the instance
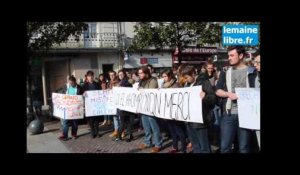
(89, 85)
(197, 132)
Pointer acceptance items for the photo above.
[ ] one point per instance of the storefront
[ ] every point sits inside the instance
(195, 55)
(159, 60)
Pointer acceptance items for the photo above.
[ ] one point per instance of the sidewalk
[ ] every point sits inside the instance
(48, 141)
(45, 142)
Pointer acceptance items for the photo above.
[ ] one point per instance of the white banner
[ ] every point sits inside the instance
(99, 102)
(125, 98)
(248, 107)
(183, 104)
(67, 106)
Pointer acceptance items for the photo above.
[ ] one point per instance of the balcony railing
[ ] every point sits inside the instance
(91, 40)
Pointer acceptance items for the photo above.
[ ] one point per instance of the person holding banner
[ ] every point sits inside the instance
(103, 85)
(149, 122)
(89, 85)
(124, 115)
(72, 88)
(161, 122)
(181, 82)
(177, 128)
(214, 132)
(135, 77)
(198, 132)
(114, 82)
(238, 75)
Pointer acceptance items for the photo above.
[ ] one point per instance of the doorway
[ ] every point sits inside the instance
(106, 68)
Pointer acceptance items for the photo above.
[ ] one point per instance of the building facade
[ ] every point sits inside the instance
(100, 48)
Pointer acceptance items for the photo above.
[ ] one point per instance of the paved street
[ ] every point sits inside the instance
(47, 142)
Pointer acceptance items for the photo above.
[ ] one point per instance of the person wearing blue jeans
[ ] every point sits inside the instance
(238, 75)
(199, 138)
(150, 125)
(72, 88)
(229, 129)
(114, 82)
(116, 121)
(198, 132)
(65, 127)
(116, 125)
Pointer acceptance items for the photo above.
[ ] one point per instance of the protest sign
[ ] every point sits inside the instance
(99, 102)
(67, 106)
(248, 107)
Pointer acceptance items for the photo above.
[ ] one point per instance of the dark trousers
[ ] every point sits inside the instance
(94, 125)
(126, 120)
(163, 125)
(199, 139)
(177, 130)
(140, 121)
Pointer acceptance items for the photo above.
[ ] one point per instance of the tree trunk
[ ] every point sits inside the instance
(178, 43)
(29, 94)
(29, 82)
(179, 54)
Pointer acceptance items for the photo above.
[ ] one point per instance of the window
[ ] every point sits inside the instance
(91, 32)
(94, 30)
